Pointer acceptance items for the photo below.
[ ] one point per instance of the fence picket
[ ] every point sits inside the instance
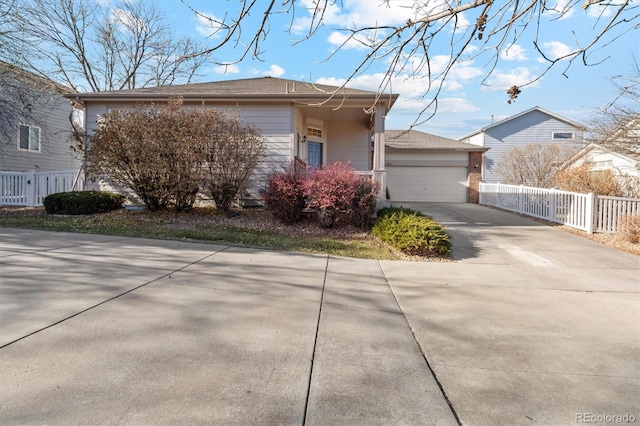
(31, 188)
(588, 212)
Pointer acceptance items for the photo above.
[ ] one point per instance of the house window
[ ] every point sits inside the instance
(601, 165)
(313, 132)
(562, 135)
(29, 138)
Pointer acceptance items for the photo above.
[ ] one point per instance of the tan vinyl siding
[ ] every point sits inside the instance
(274, 122)
(426, 158)
(348, 142)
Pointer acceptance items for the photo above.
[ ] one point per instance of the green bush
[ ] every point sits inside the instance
(82, 202)
(412, 233)
(386, 211)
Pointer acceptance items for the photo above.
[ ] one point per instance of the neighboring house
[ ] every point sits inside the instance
(423, 167)
(534, 125)
(309, 123)
(623, 164)
(35, 127)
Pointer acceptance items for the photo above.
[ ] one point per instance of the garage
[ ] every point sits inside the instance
(427, 184)
(426, 168)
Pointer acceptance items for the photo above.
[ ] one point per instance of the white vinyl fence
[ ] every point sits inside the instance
(588, 212)
(30, 188)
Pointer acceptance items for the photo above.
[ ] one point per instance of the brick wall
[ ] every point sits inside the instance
(475, 175)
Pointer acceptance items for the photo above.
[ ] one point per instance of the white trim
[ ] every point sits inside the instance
(29, 142)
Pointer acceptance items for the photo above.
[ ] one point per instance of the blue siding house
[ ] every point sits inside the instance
(534, 125)
(36, 133)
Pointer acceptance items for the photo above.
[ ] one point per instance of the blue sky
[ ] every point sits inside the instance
(472, 96)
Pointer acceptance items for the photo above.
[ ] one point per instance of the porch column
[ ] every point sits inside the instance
(379, 172)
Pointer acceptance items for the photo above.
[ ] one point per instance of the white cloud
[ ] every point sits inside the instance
(513, 52)
(126, 19)
(554, 50)
(501, 81)
(368, 13)
(343, 41)
(226, 69)
(274, 71)
(563, 9)
(207, 24)
(605, 10)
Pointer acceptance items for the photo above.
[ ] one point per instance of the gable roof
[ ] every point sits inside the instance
(250, 88)
(520, 114)
(414, 139)
(34, 79)
(609, 149)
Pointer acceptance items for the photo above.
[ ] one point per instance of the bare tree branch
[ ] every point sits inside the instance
(93, 47)
(408, 50)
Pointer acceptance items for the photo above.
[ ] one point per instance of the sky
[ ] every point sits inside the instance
(473, 95)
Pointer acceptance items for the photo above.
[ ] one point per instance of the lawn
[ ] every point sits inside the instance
(251, 228)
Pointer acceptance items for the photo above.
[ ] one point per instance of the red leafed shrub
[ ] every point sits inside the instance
(364, 203)
(331, 189)
(284, 196)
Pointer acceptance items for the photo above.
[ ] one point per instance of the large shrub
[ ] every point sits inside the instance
(582, 179)
(629, 228)
(331, 189)
(82, 202)
(364, 203)
(153, 151)
(166, 154)
(412, 233)
(232, 151)
(284, 195)
(534, 164)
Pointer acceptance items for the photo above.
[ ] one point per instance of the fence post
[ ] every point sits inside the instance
(30, 187)
(520, 199)
(589, 214)
(552, 205)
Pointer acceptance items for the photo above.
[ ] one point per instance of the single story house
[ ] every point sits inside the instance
(310, 123)
(427, 168)
(624, 165)
(534, 125)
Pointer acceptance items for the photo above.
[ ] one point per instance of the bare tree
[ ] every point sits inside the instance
(617, 125)
(91, 46)
(534, 164)
(8, 33)
(471, 28)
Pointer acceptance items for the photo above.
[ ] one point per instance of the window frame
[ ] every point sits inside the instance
(562, 138)
(29, 141)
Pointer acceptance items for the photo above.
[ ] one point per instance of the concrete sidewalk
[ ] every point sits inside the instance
(530, 325)
(103, 330)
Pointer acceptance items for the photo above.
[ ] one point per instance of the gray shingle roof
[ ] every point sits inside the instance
(263, 87)
(414, 139)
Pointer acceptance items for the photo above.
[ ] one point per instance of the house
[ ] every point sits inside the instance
(625, 165)
(534, 125)
(426, 168)
(35, 128)
(309, 123)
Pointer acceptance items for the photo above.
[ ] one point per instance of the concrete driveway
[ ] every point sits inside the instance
(530, 325)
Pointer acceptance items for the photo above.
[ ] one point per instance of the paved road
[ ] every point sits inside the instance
(530, 325)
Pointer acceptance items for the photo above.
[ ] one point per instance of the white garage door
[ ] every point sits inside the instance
(427, 184)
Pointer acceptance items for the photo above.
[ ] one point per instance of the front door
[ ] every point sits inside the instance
(314, 154)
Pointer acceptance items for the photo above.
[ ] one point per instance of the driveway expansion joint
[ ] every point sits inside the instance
(107, 300)
(421, 349)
